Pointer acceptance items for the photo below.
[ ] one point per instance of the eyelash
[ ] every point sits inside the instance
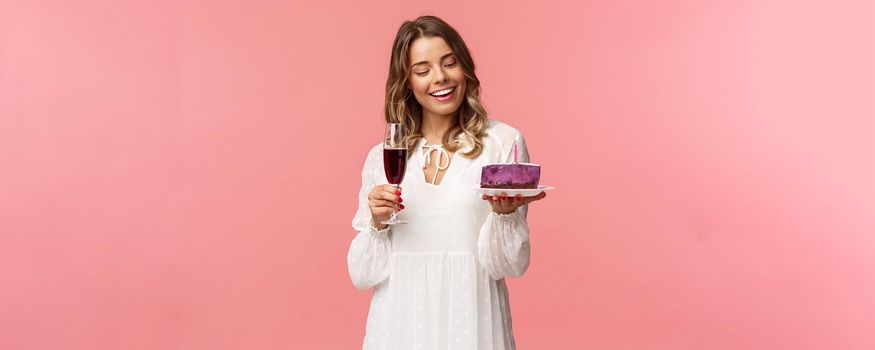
(422, 74)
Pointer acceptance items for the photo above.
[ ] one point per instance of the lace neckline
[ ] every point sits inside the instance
(439, 162)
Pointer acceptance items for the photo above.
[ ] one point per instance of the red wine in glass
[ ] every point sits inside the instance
(395, 162)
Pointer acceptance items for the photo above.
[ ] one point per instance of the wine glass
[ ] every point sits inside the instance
(395, 162)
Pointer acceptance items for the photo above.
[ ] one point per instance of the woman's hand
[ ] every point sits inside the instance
(381, 201)
(506, 205)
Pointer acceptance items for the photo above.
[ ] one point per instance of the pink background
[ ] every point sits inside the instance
(182, 175)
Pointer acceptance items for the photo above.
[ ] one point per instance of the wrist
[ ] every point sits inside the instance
(377, 225)
(499, 212)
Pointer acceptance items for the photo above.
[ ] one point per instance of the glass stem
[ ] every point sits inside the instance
(395, 204)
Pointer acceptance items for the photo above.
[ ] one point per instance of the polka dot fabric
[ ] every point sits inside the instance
(439, 279)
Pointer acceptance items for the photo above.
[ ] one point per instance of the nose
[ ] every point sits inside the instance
(439, 76)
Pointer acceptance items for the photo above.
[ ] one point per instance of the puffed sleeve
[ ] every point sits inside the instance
(503, 244)
(368, 258)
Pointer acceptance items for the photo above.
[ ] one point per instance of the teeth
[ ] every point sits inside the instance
(442, 92)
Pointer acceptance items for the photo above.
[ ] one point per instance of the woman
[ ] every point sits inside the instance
(439, 278)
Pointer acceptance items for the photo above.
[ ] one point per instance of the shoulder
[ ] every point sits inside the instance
(374, 156)
(501, 131)
(373, 164)
(375, 151)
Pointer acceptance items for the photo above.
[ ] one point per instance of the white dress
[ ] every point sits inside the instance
(440, 278)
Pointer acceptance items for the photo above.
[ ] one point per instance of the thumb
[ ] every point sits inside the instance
(535, 198)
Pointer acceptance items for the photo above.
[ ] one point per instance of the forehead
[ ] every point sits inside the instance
(428, 49)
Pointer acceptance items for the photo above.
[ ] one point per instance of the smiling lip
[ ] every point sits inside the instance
(444, 97)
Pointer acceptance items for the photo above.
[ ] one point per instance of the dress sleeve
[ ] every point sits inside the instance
(503, 244)
(368, 258)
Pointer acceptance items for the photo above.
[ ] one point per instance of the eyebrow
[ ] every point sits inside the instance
(424, 62)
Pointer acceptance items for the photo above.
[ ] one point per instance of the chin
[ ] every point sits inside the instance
(445, 111)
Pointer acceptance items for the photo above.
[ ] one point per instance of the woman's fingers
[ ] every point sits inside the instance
(503, 198)
(490, 198)
(382, 201)
(381, 211)
(376, 203)
(504, 203)
(385, 192)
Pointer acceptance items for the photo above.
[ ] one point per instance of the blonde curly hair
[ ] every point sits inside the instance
(402, 107)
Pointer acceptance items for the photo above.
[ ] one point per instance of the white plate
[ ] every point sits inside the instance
(510, 192)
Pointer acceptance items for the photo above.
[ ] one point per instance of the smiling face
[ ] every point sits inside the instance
(436, 77)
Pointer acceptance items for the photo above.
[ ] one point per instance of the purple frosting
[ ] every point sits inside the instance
(512, 175)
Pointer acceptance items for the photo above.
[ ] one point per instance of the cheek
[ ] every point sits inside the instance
(460, 77)
(460, 97)
(462, 89)
(418, 86)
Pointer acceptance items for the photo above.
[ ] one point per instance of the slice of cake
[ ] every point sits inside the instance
(510, 175)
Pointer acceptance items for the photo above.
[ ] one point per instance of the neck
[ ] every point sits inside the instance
(435, 126)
